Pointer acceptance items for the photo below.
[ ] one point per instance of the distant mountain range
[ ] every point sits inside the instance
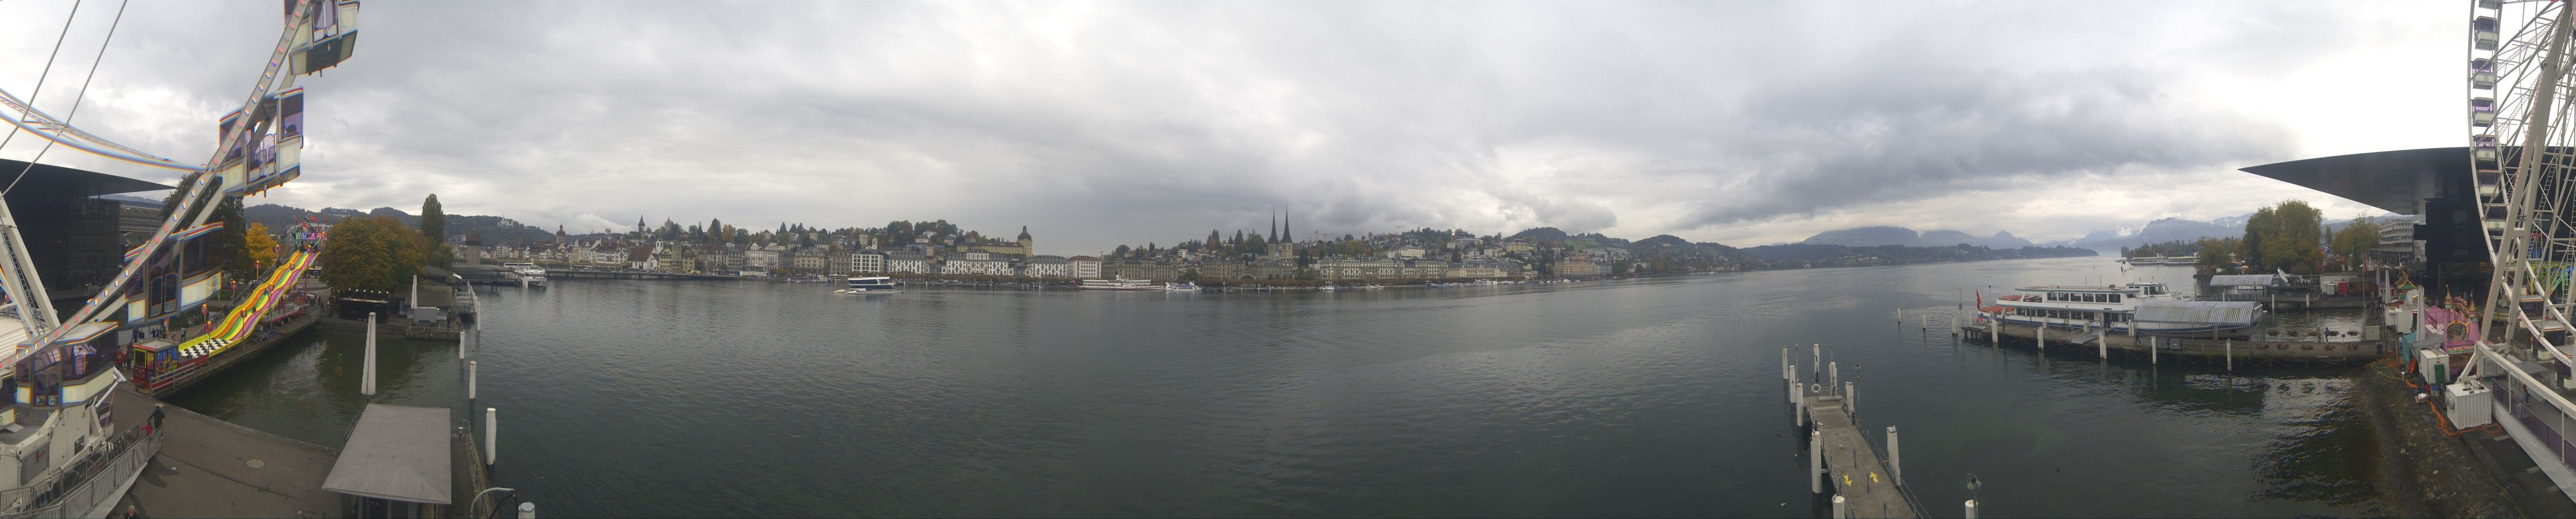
(1886, 235)
(2158, 231)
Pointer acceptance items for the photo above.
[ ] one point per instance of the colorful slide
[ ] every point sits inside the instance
(238, 324)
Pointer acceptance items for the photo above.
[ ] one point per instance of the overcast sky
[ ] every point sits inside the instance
(1098, 124)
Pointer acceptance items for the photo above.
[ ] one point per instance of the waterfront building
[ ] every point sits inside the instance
(868, 262)
(736, 259)
(761, 258)
(2397, 243)
(1083, 267)
(907, 262)
(1144, 270)
(1048, 266)
(1577, 268)
(1221, 269)
(976, 263)
(1476, 269)
(641, 257)
(809, 259)
(710, 258)
(1277, 267)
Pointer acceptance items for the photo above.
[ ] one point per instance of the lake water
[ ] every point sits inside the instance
(1657, 397)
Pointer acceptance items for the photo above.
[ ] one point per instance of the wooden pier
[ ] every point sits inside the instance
(2256, 349)
(1845, 469)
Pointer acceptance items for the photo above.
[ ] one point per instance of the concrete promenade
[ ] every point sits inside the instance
(210, 468)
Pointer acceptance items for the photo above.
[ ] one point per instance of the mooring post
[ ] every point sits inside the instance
(2231, 354)
(1797, 409)
(1954, 325)
(1793, 392)
(527, 510)
(1835, 371)
(1895, 461)
(2043, 336)
(469, 380)
(1995, 327)
(367, 374)
(1848, 408)
(491, 436)
(1819, 353)
(2102, 342)
(460, 345)
(1972, 509)
(1841, 510)
(2153, 344)
(1784, 364)
(1816, 462)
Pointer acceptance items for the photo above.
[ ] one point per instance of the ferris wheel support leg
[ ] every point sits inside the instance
(35, 306)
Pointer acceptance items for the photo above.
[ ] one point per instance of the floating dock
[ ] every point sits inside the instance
(2258, 349)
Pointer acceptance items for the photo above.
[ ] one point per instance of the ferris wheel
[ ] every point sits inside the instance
(258, 148)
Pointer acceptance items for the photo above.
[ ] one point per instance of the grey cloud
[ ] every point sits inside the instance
(1098, 124)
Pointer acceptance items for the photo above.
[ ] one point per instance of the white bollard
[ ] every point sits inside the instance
(1972, 509)
(367, 374)
(2231, 354)
(527, 511)
(1895, 461)
(1835, 370)
(1816, 462)
(2043, 337)
(2102, 341)
(491, 435)
(1841, 510)
(1793, 392)
(460, 345)
(1802, 413)
(469, 380)
(1848, 407)
(1819, 353)
(1995, 330)
(2153, 344)
(1785, 368)
(1954, 325)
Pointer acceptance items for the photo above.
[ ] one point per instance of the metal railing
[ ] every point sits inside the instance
(97, 480)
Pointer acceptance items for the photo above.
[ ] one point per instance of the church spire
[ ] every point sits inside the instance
(1285, 222)
(1274, 223)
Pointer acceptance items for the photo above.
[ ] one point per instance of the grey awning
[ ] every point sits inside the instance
(2199, 312)
(396, 452)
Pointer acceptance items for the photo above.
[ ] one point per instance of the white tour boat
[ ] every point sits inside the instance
(2145, 307)
(1184, 286)
(1120, 284)
(869, 286)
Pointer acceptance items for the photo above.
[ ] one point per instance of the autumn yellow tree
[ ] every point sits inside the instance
(375, 253)
(261, 247)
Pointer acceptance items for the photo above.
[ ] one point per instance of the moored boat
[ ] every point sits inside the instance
(871, 285)
(1120, 284)
(2146, 308)
(1184, 286)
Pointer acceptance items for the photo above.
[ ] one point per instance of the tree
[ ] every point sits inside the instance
(2288, 236)
(261, 247)
(228, 241)
(2356, 239)
(375, 253)
(433, 220)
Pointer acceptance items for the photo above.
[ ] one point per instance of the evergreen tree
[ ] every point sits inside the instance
(433, 220)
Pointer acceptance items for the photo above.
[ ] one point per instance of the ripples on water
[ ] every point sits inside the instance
(1648, 398)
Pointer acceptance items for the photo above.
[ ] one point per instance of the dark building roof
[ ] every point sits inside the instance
(57, 181)
(2396, 181)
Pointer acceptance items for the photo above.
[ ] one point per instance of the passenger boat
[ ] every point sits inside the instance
(530, 273)
(1119, 284)
(1184, 286)
(870, 286)
(2146, 308)
(1327, 288)
(1487, 282)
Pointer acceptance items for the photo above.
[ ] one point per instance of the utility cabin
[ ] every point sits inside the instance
(399, 463)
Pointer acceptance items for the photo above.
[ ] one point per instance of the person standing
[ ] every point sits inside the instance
(156, 420)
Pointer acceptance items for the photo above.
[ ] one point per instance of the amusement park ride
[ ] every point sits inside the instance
(2518, 373)
(56, 434)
